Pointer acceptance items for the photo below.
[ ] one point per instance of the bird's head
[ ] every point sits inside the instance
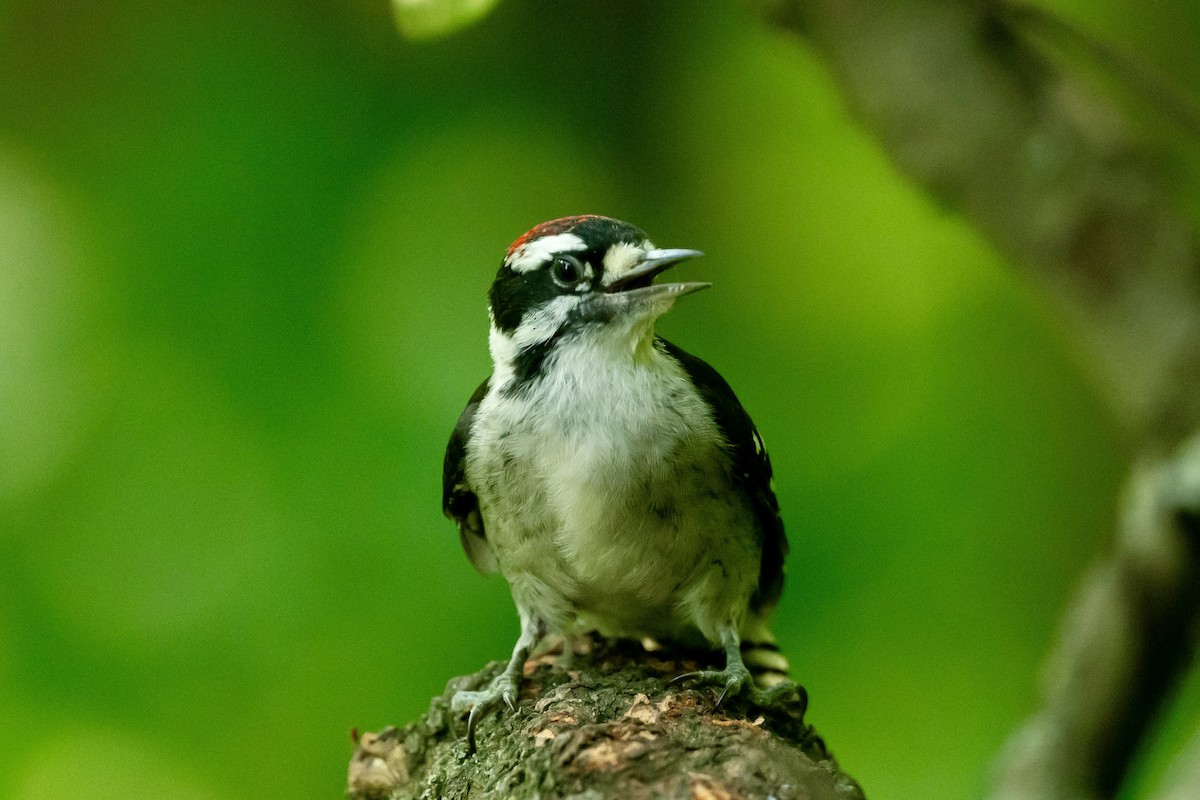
(582, 276)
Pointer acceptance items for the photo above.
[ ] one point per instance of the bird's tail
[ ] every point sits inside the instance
(761, 654)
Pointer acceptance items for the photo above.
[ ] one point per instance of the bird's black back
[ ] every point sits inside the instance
(459, 503)
(750, 466)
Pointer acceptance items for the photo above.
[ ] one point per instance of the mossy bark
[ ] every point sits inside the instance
(601, 724)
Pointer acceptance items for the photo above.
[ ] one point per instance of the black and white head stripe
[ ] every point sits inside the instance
(570, 276)
(534, 253)
(603, 248)
(578, 234)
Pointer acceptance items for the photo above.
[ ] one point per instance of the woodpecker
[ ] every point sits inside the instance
(612, 478)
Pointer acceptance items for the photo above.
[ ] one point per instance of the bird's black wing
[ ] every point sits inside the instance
(459, 503)
(751, 469)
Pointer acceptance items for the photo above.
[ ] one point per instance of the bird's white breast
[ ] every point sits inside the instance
(596, 487)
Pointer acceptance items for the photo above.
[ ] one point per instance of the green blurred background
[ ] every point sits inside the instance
(244, 248)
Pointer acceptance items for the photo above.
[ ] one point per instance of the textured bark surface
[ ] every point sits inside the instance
(606, 725)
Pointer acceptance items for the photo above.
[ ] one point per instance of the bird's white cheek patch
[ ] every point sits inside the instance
(540, 324)
(621, 258)
(534, 254)
(504, 349)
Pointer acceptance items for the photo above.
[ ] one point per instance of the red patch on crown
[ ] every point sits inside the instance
(550, 228)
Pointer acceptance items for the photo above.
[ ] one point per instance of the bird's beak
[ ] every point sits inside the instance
(636, 284)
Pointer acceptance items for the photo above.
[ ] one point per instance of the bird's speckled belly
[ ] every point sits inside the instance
(617, 530)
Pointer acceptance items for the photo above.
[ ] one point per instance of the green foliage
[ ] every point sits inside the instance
(425, 19)
(243, 255)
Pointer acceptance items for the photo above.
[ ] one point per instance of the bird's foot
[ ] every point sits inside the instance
(502, 689)
(733, 680)
(783, 695)
(736, 681)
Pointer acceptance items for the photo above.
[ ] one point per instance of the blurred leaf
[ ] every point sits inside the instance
(429, 19)
(48, 363)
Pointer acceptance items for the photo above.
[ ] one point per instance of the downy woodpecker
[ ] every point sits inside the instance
(614, 479)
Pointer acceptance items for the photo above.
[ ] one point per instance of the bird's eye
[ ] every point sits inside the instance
(566, 270)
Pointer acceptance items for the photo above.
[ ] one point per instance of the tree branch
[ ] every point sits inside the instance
(974, 113)
(1047, 171)
(1122, 648)
(605, 725)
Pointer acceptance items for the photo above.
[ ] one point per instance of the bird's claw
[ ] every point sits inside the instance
(735, 683)
(732, 680)
(463, 700)
(502, 689)
(780, 694)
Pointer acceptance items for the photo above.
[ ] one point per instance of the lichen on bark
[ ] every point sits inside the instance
(604, 723)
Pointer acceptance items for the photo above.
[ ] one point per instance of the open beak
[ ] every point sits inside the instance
(638, 282)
